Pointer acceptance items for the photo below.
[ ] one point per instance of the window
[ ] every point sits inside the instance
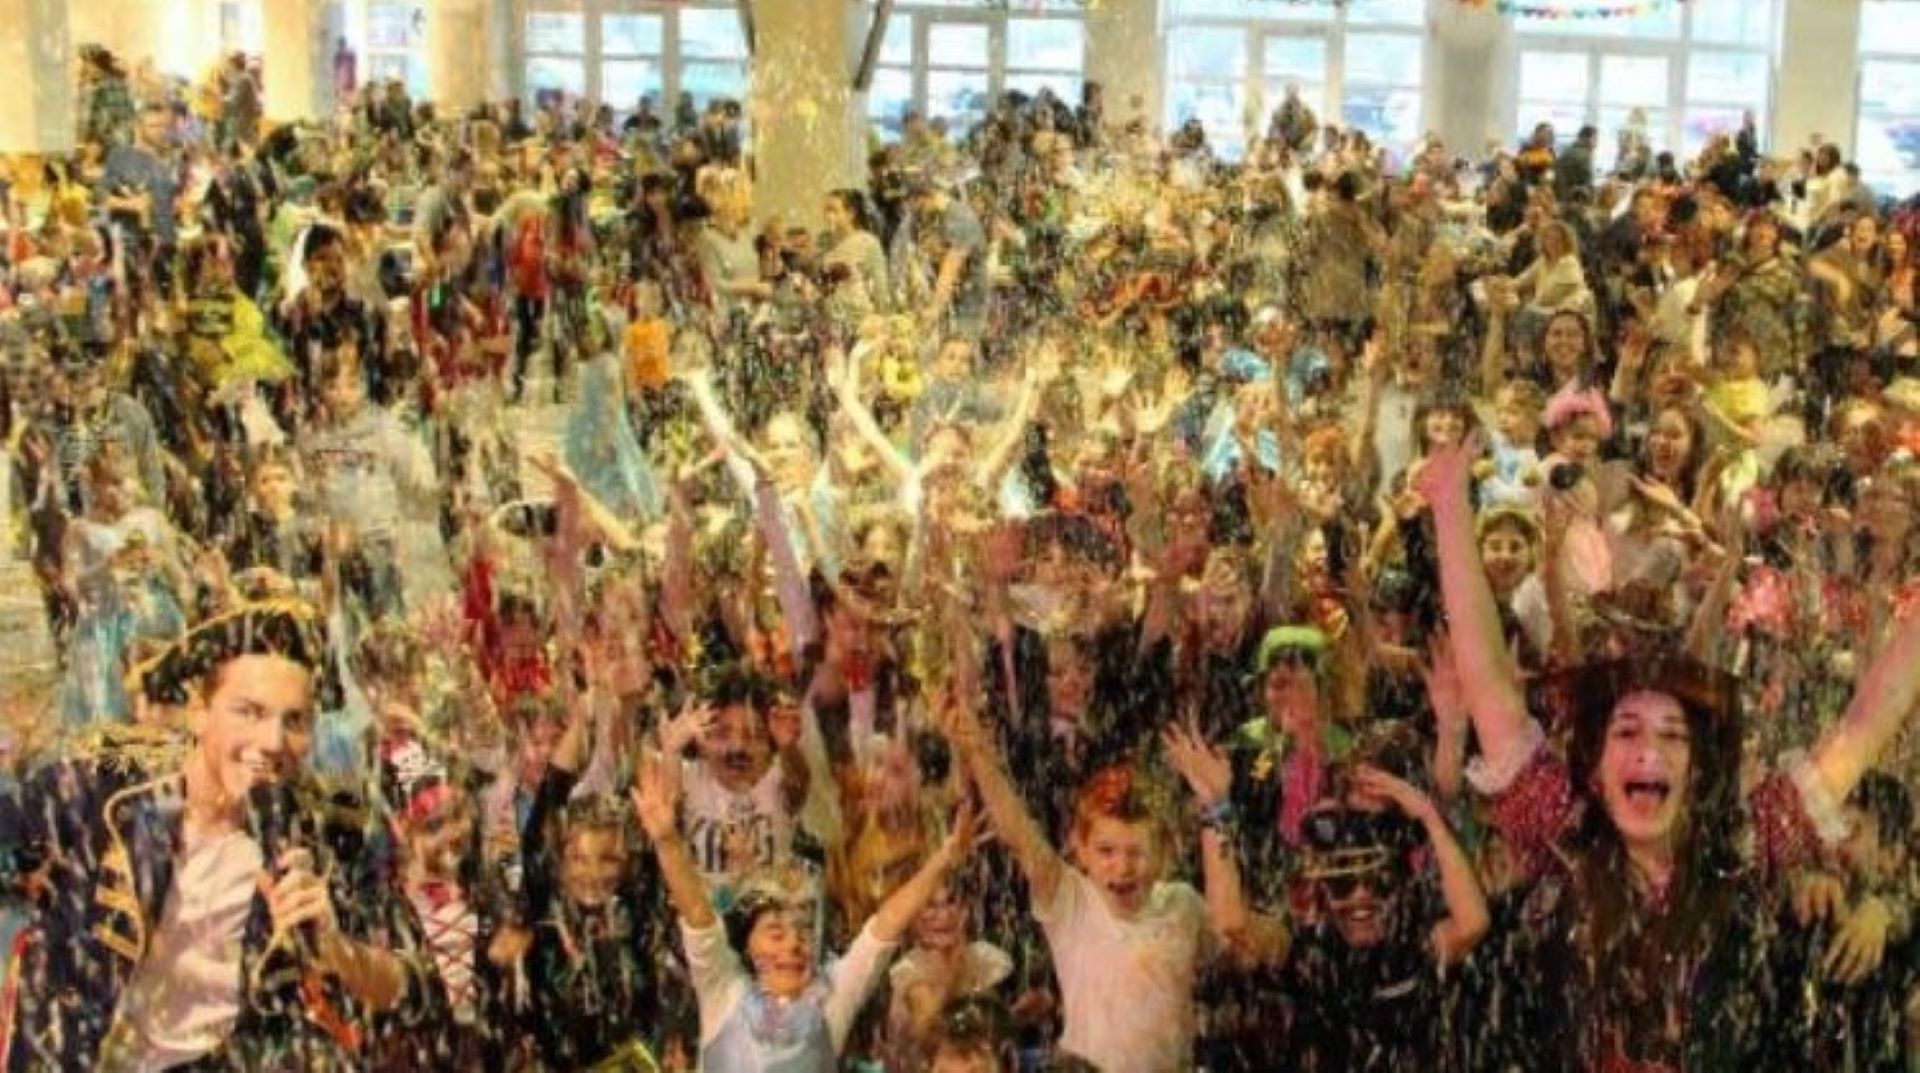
(241, 28)
(618, 51)
(396, 45)
(1681, 72)
(1886, 141)
(1230, 63)
(951, 59)
(556, 53)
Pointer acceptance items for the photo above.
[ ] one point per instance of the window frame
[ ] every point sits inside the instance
(1333, 25)
(1679, 50)
(923, 15)
(671, 60)
(1907, 181)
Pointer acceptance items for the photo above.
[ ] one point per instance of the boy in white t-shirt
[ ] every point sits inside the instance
(1126, 943)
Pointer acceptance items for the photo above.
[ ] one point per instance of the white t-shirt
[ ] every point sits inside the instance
(722, 824)
(720, 982)
(1127, 984)
(184, 997)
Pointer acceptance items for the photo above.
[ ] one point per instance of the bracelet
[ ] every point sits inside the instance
(1218, 815)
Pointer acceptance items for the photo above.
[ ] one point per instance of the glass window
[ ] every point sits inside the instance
(707, 80)
(631, 35)
(959, 44)
(897, 46)
(1218, 106)
(889, 100)
(1633, 80)
(959, 97)
(556, 31)
(550, 74)
(1393, 58)
(1044, 44)
(1207, 52)
(624, 82)
(1887, 26)
(1065, 87)
(1387, 12)
(1727, 77)
(396, 26)
(1887, 138)
(1316, 10)
(712, 33)
(1749, 22)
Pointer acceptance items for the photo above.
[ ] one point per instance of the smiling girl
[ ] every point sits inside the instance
(1642, 891)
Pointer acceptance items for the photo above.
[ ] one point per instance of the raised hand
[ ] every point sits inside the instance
(960, 725)
(694, 722)
(1202, 765)
(1859, 943)
(1447, 470)
(656, 798)
(1403, 795)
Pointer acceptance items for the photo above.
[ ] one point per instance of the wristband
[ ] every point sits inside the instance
(1217, 816)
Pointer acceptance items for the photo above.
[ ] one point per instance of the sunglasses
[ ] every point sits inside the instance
(1347, 884)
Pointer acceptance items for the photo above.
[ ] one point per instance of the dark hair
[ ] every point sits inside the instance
(734, 684)
(856, 205)
(1703, 896)
(319, 237)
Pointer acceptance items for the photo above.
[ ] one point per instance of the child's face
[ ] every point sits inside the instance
(1292, 696)
(942, 925)
(780, 949)
(591, 864)
(438, 839)
(1069, 681)
(1739, 358)
(273, 488)
(1578, 440)
(1800, 497)
(1507, 557)
(1442, 427)
(1518, 421)
(1121, 859)
(346, 393)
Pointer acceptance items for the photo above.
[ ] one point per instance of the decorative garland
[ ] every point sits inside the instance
(1576, 10)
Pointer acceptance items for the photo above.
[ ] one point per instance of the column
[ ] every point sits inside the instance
(299, 59)
(1124, 56)
(1818, 77)
(36, 51)
(458, 54)
(1470, 72)
(807, 135)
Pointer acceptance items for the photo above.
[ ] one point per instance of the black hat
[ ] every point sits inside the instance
(291, 629)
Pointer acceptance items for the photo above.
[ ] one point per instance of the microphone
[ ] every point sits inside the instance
(272, 814)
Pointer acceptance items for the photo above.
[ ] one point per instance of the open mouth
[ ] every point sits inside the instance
(1648, 794)
(1124, 891)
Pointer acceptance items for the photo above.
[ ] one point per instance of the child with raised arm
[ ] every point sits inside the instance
(1126, 943)
(780, 1012)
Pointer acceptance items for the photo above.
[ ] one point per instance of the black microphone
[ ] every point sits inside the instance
(273, 813)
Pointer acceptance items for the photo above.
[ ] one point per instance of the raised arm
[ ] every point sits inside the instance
(895, 915)
(1886, 696)
(656, 802)
(1256, 939)
(1494, 697)
(1012, 821)
(1467, 918)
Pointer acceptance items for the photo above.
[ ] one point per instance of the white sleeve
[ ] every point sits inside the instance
(851, 982)
(789, 582)
(719, 983)
(1069, 904)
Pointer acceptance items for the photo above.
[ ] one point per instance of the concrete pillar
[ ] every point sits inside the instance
(36, 51)
(299, 60)
(1470, 62)
(458, 55)
(1818, 83)
(1124, 55)
(808, 138)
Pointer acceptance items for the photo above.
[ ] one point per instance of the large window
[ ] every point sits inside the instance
(950, 60)
(1231, 62)
(1886, 141)
(618, 51)
(396, 44)
(1681, 72)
